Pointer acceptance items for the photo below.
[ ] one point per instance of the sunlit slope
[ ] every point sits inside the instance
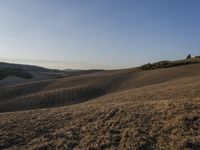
(72, 90)
(164, 115)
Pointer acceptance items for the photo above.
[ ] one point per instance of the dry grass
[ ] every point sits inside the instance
(158, 109)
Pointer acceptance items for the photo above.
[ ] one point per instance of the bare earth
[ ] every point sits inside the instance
(119, 109)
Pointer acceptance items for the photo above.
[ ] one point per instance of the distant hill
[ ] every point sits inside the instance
(6, 72)
(167, 64)
(26, 67)
(77, 72)
(72, 70)
(12, 74)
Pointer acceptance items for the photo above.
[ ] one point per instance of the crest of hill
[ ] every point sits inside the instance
(167, 64)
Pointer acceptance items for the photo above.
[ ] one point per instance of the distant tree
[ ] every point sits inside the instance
(189, 57)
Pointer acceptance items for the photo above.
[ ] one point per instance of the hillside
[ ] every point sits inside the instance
(119, 109)
(76, 89)
(168, 64)
(13, 74)
(7, 72)
(25, 67)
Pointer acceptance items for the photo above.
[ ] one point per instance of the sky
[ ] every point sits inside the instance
(98, 34)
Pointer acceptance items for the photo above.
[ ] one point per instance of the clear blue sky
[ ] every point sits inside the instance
(98, 33)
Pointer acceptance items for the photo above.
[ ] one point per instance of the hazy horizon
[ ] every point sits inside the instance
(97, 34)
(62, 65)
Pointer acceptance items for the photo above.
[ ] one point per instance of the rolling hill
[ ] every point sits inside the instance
(26, 67)
(7, 72)
(117, 109)
(13, 74)
(76, 89)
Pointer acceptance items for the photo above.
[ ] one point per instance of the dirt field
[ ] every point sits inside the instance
(119, 109)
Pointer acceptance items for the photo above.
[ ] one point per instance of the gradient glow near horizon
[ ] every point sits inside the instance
(105, 34)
